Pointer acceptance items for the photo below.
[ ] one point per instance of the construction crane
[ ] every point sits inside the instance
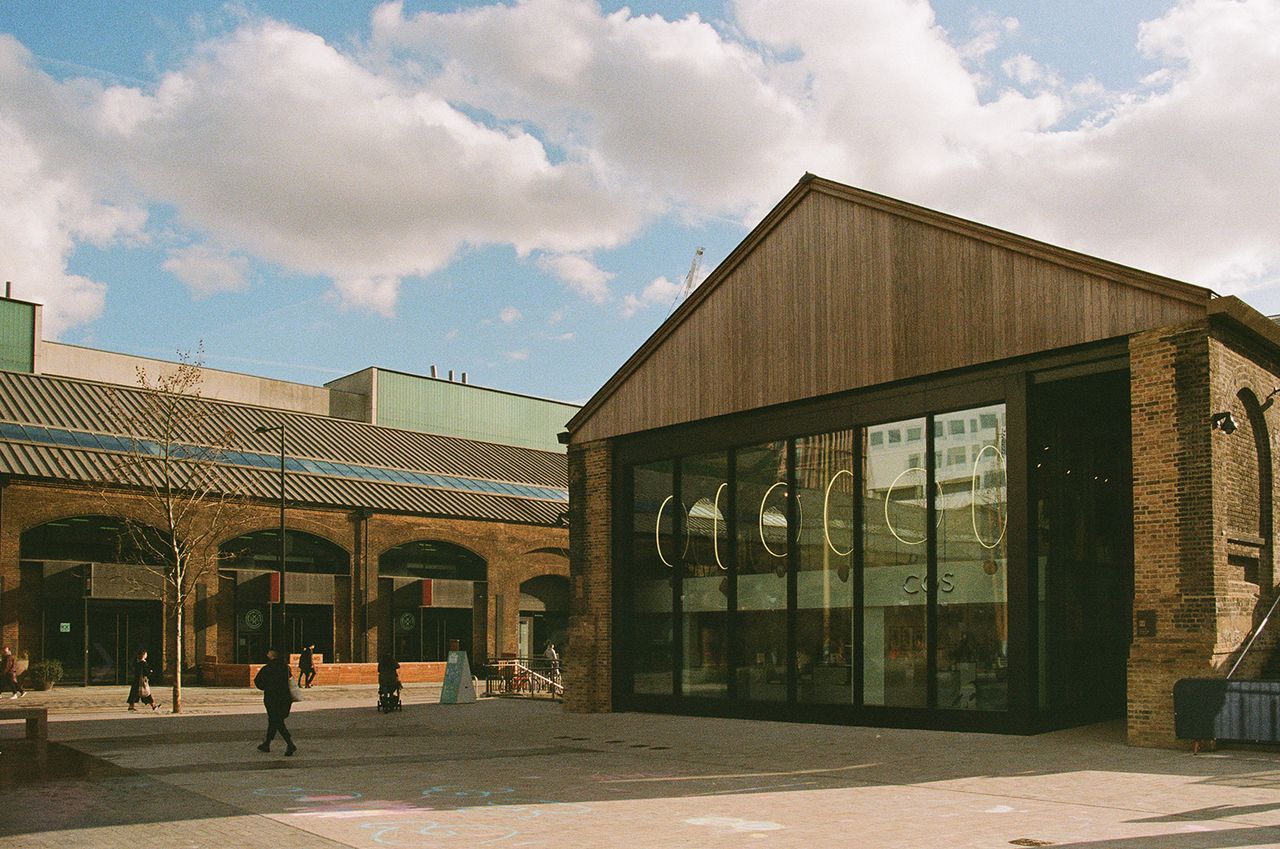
(690, 281)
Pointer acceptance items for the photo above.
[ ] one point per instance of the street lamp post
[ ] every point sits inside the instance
(284, 621)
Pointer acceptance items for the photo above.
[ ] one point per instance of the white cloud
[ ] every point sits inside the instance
(659, 292)
(582, 275)
(1023, 69)
(326, 161)
(517, 356)
(988, 31)
(556, 316)
(510, 315)
(207, 271)
(376, 294)
(567, 336)
(50, 198)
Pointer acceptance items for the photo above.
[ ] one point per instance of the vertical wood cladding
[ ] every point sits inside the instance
(588, 668)
(839, 295)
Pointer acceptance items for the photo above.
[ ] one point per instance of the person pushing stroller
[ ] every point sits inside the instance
(388, 684)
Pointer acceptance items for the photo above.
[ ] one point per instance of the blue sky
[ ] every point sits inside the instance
(517, 191)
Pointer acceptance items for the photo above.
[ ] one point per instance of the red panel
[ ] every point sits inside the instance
(275, 587)
(426, 592)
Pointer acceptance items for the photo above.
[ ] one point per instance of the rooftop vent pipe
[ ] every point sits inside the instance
(433, 371)
(451, 375)
(464, 377)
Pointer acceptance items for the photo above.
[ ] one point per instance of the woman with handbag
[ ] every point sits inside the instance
(141, 689)
(278, 695)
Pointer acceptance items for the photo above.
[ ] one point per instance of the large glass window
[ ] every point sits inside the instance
(824, 555)
(895, 573)
(745, 573)
(762, 495)
(705, 599)
(973, 516)
(653, 564)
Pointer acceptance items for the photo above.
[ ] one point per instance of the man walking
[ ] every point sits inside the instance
(307, 666)
(9, 674)
(273, 679)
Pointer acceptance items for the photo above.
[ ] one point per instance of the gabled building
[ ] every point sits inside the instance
(888, 466)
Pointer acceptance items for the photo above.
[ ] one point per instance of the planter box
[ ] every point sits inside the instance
(241, 674)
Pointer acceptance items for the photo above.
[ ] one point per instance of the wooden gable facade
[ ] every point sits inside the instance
(839, 289)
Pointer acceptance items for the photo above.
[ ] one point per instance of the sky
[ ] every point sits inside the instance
(517, 190)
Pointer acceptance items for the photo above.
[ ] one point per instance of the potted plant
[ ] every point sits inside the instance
(45, 673)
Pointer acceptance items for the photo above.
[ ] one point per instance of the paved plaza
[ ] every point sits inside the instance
(511, 773)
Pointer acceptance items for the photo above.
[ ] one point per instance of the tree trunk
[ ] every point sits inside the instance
(178, 623)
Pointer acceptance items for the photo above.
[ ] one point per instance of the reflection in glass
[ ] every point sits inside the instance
(895, 570)
(705, 600)
(762, 571)
(653, 549)
(973, 515)
(824, 547)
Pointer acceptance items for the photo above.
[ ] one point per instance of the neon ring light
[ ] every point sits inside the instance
(762, 501)
(888, 496)
(973, 501)
(826, 514)
(657, 535)
(715, 536)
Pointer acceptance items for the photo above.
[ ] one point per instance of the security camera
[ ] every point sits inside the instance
(1225, 422)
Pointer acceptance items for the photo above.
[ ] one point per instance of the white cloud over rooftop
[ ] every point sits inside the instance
(561, 131)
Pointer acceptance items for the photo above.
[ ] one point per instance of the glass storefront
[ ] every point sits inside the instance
(704, 599)
(653, 571)
(865, 567)
(895, 538)
(824, 568)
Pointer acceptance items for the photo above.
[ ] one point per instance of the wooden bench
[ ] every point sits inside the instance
(37, 720)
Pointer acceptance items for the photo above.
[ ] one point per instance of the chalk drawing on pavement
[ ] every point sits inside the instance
(735, 824)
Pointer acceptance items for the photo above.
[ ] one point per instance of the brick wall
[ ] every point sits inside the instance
(1244, 495)
(1173, 535)
(514, 553)
(1204, 537)
(588, 669)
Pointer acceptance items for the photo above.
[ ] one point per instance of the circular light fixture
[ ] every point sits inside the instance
(657, 532)
(826, 513)
(784, 519)
(715, 534)
(888, 496)
(973, 500)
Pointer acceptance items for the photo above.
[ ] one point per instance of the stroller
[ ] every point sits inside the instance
(388, 685)
(389, 697)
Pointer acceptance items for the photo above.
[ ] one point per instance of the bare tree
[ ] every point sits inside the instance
(188, 502)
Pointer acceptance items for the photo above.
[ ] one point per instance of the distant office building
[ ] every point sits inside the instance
(420, 510)
(887, 466)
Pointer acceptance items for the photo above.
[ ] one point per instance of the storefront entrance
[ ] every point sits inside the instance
(310, 625)
(117, 631)
(969, 566)
(424, 633)
(1084, 543)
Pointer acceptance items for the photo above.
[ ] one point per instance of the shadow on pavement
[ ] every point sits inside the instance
(433, 760)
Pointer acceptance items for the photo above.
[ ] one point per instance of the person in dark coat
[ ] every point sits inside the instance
(140, 691)
(307, 666)
(9, 675)
(273, 680)
(388, 675)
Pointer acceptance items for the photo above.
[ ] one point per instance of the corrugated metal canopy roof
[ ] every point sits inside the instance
(472, 486)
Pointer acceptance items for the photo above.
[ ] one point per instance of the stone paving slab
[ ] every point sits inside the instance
(511, 773)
